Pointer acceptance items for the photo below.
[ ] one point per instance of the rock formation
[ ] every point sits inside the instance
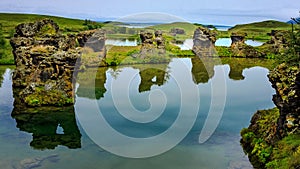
(94, 51)
(278, 42)
(286, 81)
(204, 42)
(160, 42)
(177, 31)
(149, 48)
(45, 62)
(272, 133)
(240, 49)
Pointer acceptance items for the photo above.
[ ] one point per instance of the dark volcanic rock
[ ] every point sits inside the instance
(160, 42)
(45, 61)
(286, 81)
(278, 42)
(204, 42)
(176, 31)
(240, 49)
(149, 48)
(32, 29)
(94, 50)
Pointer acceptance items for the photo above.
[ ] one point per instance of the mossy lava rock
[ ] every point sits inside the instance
(45, 61)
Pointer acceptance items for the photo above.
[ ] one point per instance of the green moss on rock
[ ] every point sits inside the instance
(51, 97)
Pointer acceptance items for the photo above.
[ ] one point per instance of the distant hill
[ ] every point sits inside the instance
(9, 21)
(188, 27)
(264, 24)
(259, 30)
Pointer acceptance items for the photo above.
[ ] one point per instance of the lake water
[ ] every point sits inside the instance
(188, 43)
(227, 42)
(121, 42)
(67, 137)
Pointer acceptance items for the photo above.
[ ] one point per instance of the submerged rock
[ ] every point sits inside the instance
(30, 163)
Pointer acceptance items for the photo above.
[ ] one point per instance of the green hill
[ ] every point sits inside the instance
(188, 27)
(259, 30)
(166, 28)
(10, 21)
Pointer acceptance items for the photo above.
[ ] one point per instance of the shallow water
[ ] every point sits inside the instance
(61, 140)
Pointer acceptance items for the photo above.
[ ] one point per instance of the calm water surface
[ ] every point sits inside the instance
(188, 43)
(57, 140)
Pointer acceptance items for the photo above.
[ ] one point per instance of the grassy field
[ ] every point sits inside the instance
(256, 31)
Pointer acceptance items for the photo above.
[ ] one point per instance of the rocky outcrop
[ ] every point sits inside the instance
(269, 139)
(177, 31)
(240, 49)
(45, 61)
(278, 42)
(160, 42)
(286, 81)
(83, 37)
(204, 42)
(149, 48)
(94, 50)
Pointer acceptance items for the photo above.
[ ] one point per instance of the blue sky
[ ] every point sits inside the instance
(226, 12)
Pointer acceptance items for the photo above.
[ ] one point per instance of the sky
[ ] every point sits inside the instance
(221, 12)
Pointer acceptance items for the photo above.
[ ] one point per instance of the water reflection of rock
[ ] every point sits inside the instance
(202, 69)
(2, 71)
(91, 87)
(151, 77)
(50, 127)
(237, 66)
(154, 75)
